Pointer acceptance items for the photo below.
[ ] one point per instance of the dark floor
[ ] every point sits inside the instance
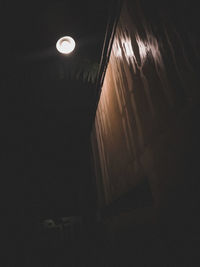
(128, 239)
(114, 242)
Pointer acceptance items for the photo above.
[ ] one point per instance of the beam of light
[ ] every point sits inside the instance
(65, 45)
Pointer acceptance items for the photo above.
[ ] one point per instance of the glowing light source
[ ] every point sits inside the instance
(65, 45)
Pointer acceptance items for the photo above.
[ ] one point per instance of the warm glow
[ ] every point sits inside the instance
(65, 45)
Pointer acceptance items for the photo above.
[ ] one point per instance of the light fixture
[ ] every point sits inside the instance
(65, 45)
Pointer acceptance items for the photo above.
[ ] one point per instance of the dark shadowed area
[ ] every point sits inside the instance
(46, 107)
(46, 104)
(99, 148)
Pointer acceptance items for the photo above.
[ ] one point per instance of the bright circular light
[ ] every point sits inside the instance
(65, 45)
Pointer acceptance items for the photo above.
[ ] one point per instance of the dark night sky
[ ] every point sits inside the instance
(46, 115)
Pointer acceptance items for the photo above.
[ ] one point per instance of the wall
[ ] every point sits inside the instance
(146, 124)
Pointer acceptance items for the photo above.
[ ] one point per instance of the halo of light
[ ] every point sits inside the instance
(65, 45)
